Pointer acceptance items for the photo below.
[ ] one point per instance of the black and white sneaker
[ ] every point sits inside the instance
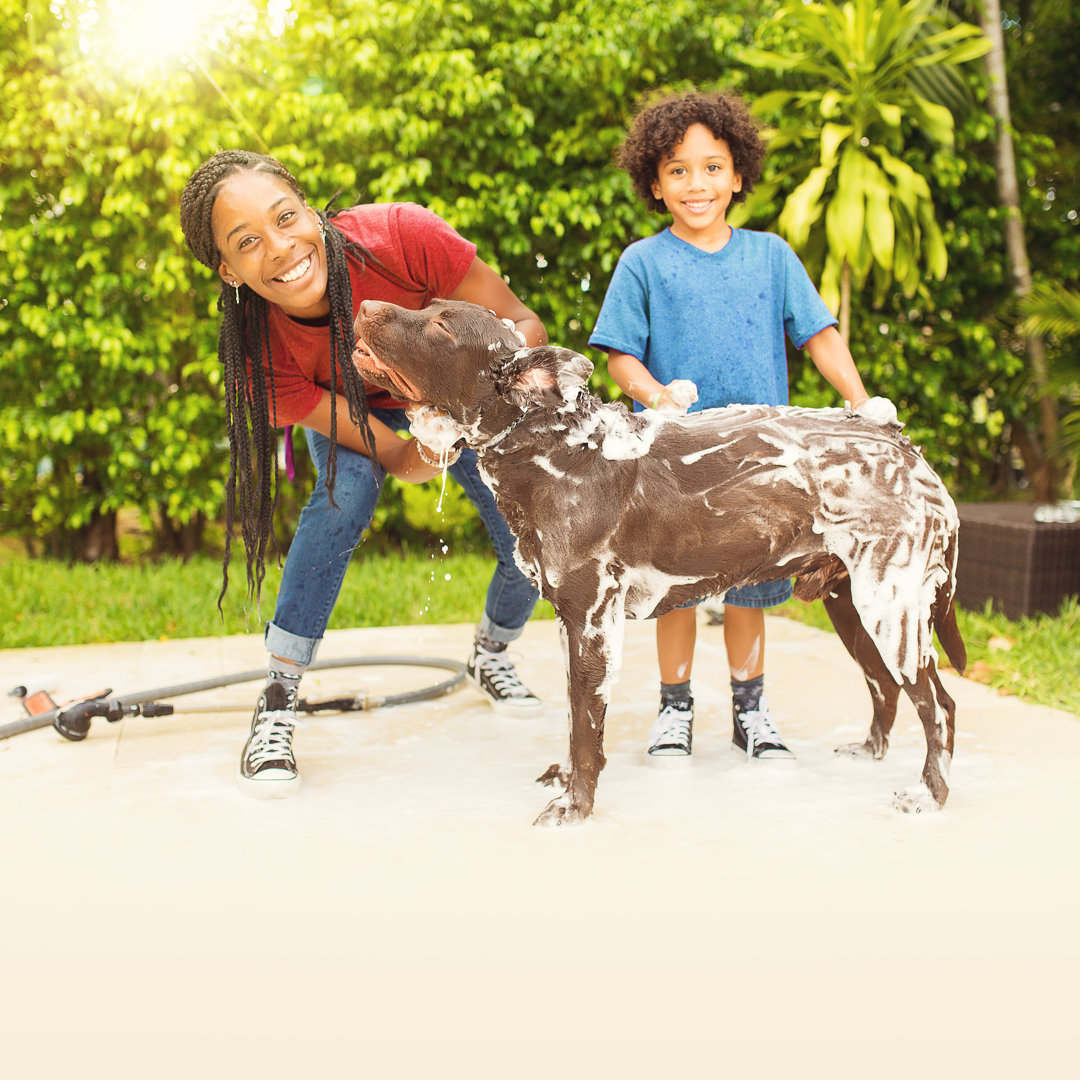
(267, 766)
(494, 676)
(755, 735)
(672, 733)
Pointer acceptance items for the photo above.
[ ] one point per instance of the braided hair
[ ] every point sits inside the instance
(245, 355)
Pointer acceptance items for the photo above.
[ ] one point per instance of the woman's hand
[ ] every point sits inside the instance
(434, 429)
(407, 461)
(399, 457)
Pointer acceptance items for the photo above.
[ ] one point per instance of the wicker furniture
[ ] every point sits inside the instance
(1022, 565)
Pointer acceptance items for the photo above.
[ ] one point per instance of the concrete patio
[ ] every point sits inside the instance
(402, 918)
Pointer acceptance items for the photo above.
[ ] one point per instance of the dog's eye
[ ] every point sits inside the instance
(440, 325)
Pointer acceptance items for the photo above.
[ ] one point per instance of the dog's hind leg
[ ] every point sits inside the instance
(884, 690)
(593, 656)
(937, 711)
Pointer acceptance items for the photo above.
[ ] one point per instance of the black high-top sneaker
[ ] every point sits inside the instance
(267, 766)
(672, 733)
(492, 671)
(755, 734)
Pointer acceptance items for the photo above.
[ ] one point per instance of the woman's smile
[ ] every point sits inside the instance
(298, 271)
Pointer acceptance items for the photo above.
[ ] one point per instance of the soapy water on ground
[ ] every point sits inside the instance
(790, 918)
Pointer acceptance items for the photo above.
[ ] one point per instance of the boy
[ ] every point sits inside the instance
(706, 303)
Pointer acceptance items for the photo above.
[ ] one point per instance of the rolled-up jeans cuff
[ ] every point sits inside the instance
(300, 650)
(498, 633)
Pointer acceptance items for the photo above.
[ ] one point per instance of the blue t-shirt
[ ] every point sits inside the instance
(717, 318)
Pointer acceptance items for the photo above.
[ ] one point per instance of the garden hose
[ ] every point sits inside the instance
(72, 719)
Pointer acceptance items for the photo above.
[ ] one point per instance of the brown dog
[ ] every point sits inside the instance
(621, 514)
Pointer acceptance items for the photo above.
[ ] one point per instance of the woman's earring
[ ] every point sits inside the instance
(236, 286)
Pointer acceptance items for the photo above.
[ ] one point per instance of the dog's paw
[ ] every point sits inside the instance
(862, 750)
(562, 811)
(915, 800)
(556, 775)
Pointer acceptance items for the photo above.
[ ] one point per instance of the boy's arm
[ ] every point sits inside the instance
(833, 359)
(632, 376)
(634, 379)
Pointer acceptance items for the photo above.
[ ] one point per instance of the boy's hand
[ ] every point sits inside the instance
(676, 397)
(877, 410)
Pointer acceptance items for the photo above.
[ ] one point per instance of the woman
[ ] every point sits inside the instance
(292, 280)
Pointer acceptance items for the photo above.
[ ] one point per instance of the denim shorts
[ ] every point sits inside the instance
(762, 595)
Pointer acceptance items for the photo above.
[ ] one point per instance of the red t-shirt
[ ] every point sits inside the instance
(427, 258)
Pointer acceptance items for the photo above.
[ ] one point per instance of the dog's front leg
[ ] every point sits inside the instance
(593, 650)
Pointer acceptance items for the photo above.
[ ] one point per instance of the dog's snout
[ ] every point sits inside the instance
(370, 307)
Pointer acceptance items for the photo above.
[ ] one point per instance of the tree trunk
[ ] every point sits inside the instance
(178, 539)
(96, 541)
(1044, 478)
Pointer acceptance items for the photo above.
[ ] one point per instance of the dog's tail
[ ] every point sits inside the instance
(945, 614)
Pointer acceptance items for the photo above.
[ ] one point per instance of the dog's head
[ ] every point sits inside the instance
(464, 360)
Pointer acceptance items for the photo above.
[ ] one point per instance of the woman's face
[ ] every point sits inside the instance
(269, 240)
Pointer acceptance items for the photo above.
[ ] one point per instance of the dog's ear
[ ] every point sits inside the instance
(545, 375)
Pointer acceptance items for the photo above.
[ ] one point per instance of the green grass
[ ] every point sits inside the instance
(1035, 658)
(45, 603)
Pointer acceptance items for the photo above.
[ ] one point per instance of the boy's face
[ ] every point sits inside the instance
(696, 182)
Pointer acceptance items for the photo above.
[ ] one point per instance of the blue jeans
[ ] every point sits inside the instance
(327, 536)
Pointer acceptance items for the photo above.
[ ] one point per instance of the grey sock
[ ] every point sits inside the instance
(485, 643)
(670, 692)
(288, 675)
(746, 696)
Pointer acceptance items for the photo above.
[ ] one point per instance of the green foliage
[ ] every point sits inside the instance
(502, 116)
(1054, 312)
(108, 379)
(853, 106)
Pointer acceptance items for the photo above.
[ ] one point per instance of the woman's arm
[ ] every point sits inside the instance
(832, 358)
(399, 457)
(481, 285)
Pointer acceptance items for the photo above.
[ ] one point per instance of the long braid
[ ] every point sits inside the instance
(342, 340)
(245, 355)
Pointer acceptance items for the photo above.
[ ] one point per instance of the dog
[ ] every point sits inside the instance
(627, 515)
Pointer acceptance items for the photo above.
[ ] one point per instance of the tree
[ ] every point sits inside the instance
(1053, 312)
(1038, 453)
(858, 207)
(108, 374)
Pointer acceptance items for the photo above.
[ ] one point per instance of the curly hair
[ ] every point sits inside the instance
(245, 333)
(661, 123)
